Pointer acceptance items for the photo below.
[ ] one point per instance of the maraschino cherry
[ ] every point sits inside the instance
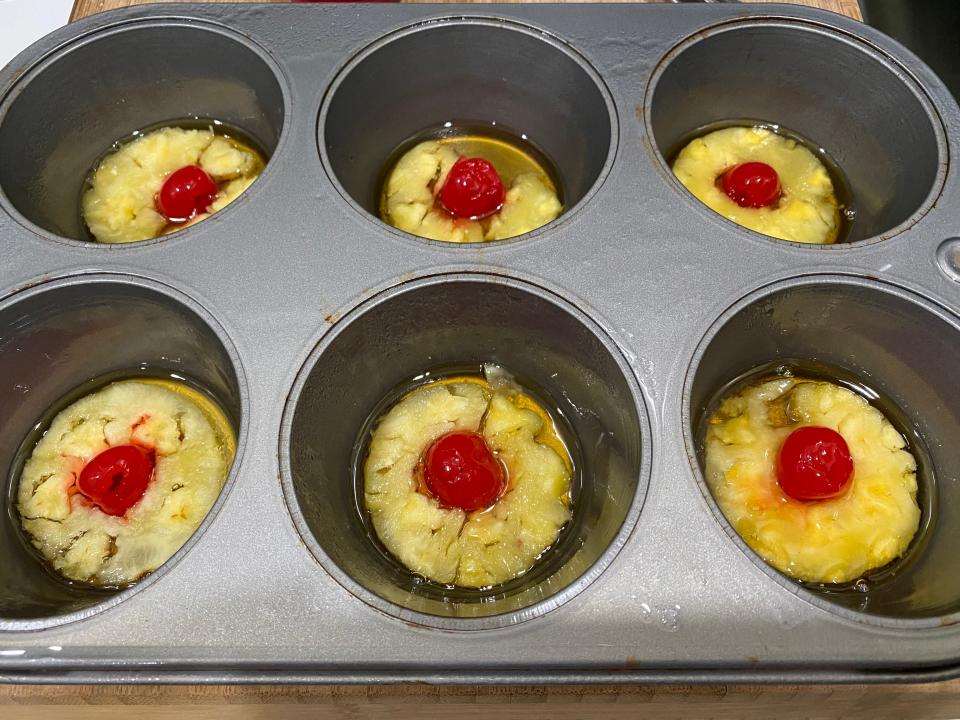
(814, 464)
(461, 472)
(472, 189)
(752, 185)
(186, 193)
(117, 478)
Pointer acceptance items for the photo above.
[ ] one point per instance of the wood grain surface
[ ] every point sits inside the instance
(667, 702)
(785, 702)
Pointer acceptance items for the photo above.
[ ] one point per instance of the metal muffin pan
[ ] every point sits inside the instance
(300, 310)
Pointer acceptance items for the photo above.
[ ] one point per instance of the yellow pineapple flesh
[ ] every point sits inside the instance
(826, 541)
(194, 447)
(410, 192)
(447, 545)
(807, 211)
(119, 206)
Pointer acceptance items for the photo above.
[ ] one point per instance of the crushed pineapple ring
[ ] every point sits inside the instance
(119, 205)
(194, 448)
(417, 178)
(447, 545)
(826, 541)
(807, 211)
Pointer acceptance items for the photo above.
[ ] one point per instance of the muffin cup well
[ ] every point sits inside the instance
(61, 340)
(66, 112)
(847, 97)
(901, 346)
(464, 320)
(473, 71)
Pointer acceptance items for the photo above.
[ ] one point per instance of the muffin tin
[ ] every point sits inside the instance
(299, 310)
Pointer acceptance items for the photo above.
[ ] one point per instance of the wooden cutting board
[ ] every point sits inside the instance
(785, 702)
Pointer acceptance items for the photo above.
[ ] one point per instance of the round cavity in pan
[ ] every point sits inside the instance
(64, 339)
(473, 72)
(396, 337)
(848, 98)
(66, 112)
(860, 333)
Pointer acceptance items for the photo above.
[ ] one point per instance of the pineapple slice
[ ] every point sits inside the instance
(411, 188)
(826, 541)
(194, 449)
(119, 205)
(447, 545)
(807, 211)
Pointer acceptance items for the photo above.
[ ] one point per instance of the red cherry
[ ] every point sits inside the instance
(752, 184)
(814, 464)
(117, 478)
(185, 193)
(472, 189)
(461, 472)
